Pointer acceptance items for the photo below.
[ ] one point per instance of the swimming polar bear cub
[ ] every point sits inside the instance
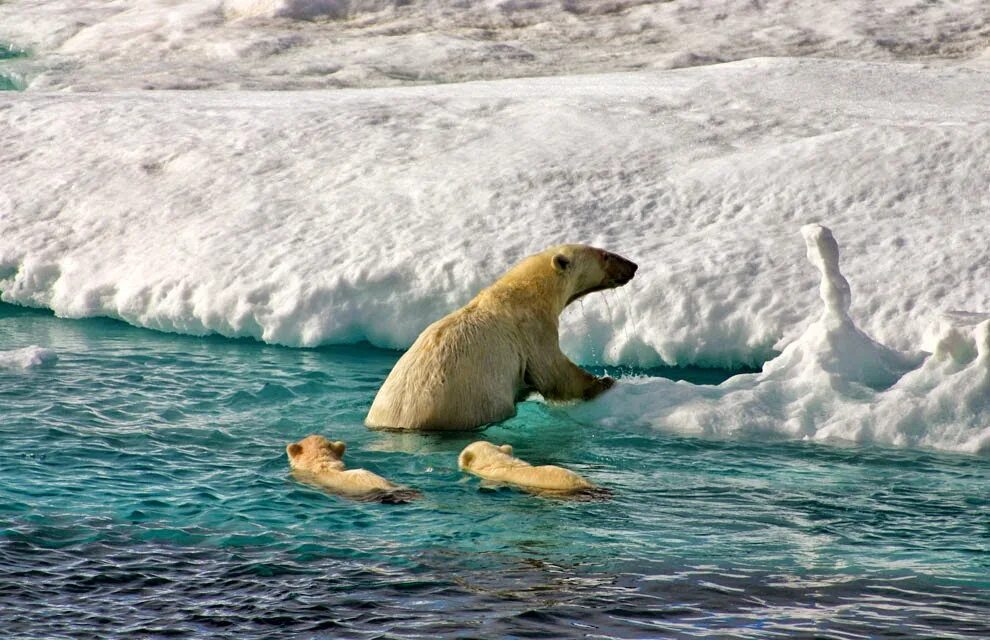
(318, 461)
(496, 463)
(470, 368)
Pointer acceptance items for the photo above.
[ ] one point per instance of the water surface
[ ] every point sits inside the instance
(144, 493)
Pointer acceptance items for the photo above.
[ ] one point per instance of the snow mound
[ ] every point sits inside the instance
(834, 347)
(832, 383)
(27, 358)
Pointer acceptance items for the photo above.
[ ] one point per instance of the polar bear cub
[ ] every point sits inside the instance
(493, 462)
(318, 461)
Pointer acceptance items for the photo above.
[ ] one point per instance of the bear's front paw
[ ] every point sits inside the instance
(600, 386)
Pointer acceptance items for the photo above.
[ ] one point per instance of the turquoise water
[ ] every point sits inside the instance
(144, 493)
(9, 81)
(9, 51)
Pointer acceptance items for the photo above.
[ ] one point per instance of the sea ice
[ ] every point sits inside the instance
(27, 358)
(307, 218)
(88, 45)
(833, 382)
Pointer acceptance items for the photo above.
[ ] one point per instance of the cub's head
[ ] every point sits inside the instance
(588, 269)
(315, 451)
(482, 454)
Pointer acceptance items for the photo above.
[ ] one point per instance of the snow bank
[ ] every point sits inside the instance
(832, 383)
(299, 44)
(324, 217)
(27, 358)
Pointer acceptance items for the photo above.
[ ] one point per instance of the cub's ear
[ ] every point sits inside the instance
(561, 262)
(465, 459)
(294, 449)
(338, 448)
(506, 448)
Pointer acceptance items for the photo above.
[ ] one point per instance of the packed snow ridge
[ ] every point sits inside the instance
(833, 383)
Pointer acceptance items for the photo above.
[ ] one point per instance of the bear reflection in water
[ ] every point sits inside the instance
(470, 368)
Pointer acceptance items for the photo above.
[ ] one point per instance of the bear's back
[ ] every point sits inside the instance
(463, 371)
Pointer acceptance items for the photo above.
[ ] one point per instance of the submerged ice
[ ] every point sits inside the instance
(833, 382)
(27, 358)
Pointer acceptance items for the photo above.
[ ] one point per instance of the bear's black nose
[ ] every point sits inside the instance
(626, 270)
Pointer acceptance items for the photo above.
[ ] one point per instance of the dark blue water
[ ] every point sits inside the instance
(144, 493)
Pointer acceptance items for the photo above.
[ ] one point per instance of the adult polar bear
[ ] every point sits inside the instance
(472, 366)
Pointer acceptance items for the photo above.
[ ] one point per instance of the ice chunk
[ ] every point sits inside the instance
(27, 358)
(834, 347)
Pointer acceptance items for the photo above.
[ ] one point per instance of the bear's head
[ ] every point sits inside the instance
(589, 269)
(315, 452)
(483, 454)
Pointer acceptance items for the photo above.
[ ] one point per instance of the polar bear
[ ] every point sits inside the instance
(496, 463)
(318, 461)
(470, 368)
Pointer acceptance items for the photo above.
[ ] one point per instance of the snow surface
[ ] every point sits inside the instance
(832, 383)
(306, 218)
(297, 44)
(27, 358)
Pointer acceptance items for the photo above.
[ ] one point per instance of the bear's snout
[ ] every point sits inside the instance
(620, 270)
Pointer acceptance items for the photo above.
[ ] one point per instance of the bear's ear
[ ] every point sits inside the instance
(506, 448)
(465, 460)
(338, 448)
(294, 449)
(561, 262)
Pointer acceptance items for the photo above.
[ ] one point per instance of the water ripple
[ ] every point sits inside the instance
(144, 493)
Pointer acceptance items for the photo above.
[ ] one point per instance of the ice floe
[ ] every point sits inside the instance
(308, 218)
(308, 44)
(833, 383)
